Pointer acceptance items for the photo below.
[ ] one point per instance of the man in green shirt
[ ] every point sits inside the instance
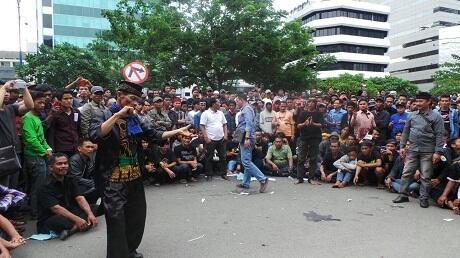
(36, 149)
(279, 158)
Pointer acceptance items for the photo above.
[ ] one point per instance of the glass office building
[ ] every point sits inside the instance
(77, 22)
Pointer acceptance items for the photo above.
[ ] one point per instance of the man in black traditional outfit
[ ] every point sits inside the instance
(118, 133)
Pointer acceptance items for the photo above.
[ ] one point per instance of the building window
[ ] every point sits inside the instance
(423, 81)
(352, 49)
(445, 10)
(344, 30)
(351, 66)
(48, 41)
(46, 3)
(47, 21)
(417, 69)
(342, 12)
(422, 41)
(424, 54)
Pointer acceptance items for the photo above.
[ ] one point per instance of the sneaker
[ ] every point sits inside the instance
(183, 181)
(263, 186)
(298, 181)
(193, 179)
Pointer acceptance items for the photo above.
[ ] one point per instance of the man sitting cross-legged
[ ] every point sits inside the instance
(369, 165)
(62, 207)
(279, 158)
(166, 163)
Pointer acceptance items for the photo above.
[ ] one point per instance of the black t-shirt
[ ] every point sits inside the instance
(446, 119)
(8, 133)
(371, 158)
(328, 162)
(185, 153)
(259, 150)
(168, 157)
(54, 193)
(311, 132)
(232, 147)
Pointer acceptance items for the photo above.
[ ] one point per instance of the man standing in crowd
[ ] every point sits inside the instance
(398, 120)
(266, 118)
(362, 121)
(118, 134)
(63, 126)
(160, 118)
(230, 116)
(424, 130)
(335, 116)
(309, 122)
(213, 126)
(36, 149)
(283, 122)
(89, 109)
(449, 116)
(382, 118)
(245, 135)
(8, 132)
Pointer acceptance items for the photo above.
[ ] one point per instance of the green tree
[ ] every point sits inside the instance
(353, 83)
(447, 79)
(214, 42)
(392, 83)
(61, 65)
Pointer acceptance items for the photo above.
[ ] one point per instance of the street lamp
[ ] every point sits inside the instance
(19, 24)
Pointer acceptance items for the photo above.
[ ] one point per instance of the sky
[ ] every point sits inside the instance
(9, 31)
(286, 5)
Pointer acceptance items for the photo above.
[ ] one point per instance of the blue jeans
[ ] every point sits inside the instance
(37, 173)
(250, 169)
(344, 176)
(413, 187)
(231, 166)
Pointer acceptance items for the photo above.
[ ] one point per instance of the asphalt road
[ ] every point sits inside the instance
(206, 220)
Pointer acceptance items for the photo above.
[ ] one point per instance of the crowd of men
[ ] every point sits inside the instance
(72, 144)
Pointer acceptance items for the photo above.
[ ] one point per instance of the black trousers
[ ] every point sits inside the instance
(58, 223)
(308, 150)
(220, 146)
(125, 211)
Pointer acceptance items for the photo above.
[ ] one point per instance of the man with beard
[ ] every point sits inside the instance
(118, 134)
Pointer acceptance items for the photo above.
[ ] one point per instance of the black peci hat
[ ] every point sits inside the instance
(131, 88)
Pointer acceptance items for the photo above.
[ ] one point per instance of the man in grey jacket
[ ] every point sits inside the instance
(424, 130)
(88, 110)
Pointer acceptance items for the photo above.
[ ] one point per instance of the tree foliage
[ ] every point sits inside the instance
(212, 43)
(61, 65)
(447, 79)
(353, 83)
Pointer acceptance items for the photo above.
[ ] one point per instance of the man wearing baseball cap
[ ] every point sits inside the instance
(118, 133)
(88, 110)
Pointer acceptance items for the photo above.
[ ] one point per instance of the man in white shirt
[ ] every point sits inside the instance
(213, 126)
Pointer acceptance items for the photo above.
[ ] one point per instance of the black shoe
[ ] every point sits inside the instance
(224, 177)
(135, 254)
(400, 199)
(208, 178)
(424, 203)
(242, 186)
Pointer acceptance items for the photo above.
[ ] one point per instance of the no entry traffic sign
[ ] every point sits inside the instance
(135, 72)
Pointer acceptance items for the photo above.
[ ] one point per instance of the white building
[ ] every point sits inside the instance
(419, 42)
(355, 32)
